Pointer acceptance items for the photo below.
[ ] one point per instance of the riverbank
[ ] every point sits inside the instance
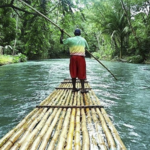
(9, 59)
(133, 60)
(128, 59)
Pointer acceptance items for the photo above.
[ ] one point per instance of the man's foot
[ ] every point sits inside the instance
(84, 91)
(75, 90)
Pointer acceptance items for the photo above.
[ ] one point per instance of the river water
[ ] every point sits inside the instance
(127, 100)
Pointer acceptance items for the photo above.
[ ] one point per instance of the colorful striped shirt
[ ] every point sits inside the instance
(76, 45)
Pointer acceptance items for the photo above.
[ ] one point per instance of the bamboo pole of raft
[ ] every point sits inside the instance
(28, 131)
(35, 130)
(107, 132)
(37, 116)
(24, 123)
(100, 139)
(59, 126)
(114, 131)
(114, 134)
(63, 135)
(34, 120)
(89, 124)
(43, 131)
(101, 142)
(85, 133)
(16, 132)
(46, 133)
(77, 140)
(9, 134)
(109, 137)
(57, 132)
(71, 127)
(111, 126)
(16, 135)
(29, 140)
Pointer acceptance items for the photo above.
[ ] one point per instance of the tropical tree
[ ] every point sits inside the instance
(111, 27)
(110, 19)
(7, 26)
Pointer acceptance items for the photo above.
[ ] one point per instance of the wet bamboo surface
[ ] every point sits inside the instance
(65, 128)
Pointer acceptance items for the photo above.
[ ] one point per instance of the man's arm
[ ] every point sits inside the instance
(61, 37)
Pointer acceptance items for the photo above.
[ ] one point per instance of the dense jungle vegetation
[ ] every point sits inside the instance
(117, 29)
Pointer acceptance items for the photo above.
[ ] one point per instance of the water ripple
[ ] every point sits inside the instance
(25, 85)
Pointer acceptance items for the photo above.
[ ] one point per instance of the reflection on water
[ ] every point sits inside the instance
(25, 85)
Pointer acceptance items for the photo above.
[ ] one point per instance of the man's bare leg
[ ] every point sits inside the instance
(74, 85)
(82, 86)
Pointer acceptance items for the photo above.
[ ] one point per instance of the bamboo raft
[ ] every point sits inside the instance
(65, 120)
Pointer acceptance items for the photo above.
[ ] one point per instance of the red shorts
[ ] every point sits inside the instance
(77, 67)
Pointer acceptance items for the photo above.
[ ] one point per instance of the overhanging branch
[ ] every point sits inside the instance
(14, 7)
(6, 5)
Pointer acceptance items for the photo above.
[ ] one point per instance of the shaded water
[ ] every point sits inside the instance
(127, 101)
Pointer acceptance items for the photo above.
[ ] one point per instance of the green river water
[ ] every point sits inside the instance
(127, 101)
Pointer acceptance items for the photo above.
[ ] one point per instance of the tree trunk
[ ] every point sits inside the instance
(1, 50)
(14, 48)
(133, 31)
(129, 22)
(122, 44)
(97, 38)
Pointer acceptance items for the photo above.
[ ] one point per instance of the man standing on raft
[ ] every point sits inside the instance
(77, 67)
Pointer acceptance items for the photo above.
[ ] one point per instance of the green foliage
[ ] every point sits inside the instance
(96, 55)
(135, 59)
(19, 58)
(8, 59)
(16, 59)
(5, 59)
(7, 26)
(22, 57)
(110, 29)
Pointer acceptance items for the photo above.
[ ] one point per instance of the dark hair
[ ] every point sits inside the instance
(77, 32)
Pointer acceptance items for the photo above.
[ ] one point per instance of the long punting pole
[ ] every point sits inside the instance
(66, 34)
